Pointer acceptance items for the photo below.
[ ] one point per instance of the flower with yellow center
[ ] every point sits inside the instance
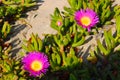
(86, 18)
(36, 63)
(85, 21)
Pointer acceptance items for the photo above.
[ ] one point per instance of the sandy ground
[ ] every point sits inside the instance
(40, 21)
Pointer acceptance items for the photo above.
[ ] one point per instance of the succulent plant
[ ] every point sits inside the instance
(33, 44)
(62, 48)
(103, 9)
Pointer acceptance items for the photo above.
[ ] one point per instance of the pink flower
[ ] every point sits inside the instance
(86, 18)
(59, 23)
(36, 63)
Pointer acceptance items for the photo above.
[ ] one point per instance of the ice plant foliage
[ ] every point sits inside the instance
(86, 18)
(36, 63)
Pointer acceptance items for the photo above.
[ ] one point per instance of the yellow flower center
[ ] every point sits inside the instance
(36, 65)
(85, 21)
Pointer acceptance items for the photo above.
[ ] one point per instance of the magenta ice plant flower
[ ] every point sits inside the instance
(59, 23)
(86, 18)
(36, 63)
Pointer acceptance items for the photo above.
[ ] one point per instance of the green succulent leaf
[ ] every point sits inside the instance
(107, 40)
(80, 42)
(118, 25)
(102, 48)
(6, 29)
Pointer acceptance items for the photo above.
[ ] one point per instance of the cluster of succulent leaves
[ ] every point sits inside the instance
(105, 57)
(10, 10)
